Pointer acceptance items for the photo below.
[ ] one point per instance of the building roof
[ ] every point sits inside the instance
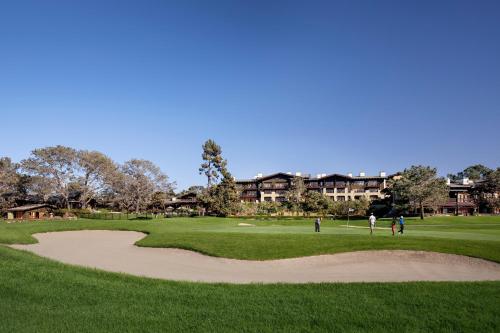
(28, 207)
(307, 177)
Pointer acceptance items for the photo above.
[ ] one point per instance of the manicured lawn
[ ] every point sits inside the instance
(273, 239)
(39, 295)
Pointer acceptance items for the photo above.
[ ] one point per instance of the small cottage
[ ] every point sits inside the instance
(33, 212)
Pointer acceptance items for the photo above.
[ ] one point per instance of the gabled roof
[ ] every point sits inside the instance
(276, 175)
(307, 177)
(349, 177)
(338, 175)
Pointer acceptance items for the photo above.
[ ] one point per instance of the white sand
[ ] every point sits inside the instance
(115, 251)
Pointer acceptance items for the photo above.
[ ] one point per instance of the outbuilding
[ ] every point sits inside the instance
(32, 212)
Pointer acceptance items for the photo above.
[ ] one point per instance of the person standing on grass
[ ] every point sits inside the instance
(372, 221)
(401, 224)
(317, 224)
(393, 226)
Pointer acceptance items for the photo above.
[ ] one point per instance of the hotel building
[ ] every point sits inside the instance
(336, 186)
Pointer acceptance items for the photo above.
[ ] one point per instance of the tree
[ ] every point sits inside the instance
(486, 192)
(159, 201)
(267, 207)
(222, 199)
(138, 181)
(9, 183)
(474, 172)
(213, 162)
(360, 206)
(98, 172)
(421, 187)
(315, 202)
(295, 195)
(54, 170)
(196, 189)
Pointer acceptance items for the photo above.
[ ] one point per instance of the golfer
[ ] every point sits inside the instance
(401, 225)
(317, 224)
(372, 221)
(393, 226)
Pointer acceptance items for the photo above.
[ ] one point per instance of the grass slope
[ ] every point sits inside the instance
(39, 295)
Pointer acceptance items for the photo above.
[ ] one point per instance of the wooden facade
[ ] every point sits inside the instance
(336, 186)
(31, 212)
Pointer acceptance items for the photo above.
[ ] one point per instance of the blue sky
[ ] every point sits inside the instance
(309, 86)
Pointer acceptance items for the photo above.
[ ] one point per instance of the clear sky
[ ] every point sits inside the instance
(311, 86)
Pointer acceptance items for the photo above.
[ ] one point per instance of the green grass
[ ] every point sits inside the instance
(40, 295)
(274, 239)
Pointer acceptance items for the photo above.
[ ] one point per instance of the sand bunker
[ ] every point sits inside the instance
(115, 251)
(246, 225)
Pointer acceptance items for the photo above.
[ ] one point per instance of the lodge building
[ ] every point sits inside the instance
(336, 186)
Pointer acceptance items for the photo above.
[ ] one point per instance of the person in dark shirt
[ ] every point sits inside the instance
(317, 225)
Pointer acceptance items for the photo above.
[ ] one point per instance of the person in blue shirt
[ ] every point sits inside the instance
(401, 224)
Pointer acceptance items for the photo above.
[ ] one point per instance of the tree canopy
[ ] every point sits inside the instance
(421, 187)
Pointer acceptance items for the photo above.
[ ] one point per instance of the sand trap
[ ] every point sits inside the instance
(115, 251)
(246, 225)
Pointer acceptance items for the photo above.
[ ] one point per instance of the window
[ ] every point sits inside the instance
(280, 199)
(341, 198)
(268, 199)
(268, 192)
(329, 190)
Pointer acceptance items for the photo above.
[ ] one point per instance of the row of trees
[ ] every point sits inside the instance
(91, 178)
(419, 188)
(67, 175)
(486, 189)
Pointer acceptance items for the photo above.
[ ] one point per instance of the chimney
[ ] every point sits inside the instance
(349, 174)
(362, 174)
(383, 174)
(448, 181)
(465, 181)
(298, 174)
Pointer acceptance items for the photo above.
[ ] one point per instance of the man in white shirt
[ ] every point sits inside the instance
(372, 221)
